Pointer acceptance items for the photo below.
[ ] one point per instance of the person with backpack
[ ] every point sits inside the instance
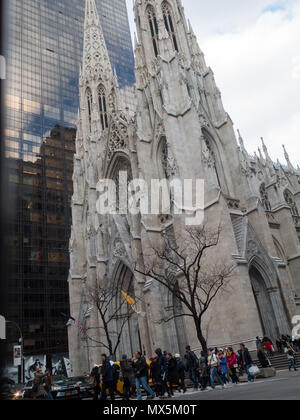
(214, 365)
(203, 371)
(181, 373)
(95, 378)
(192, 367)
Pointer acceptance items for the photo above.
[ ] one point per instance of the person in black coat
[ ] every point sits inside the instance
(172, 373)
(262, 358)
(107, 377)
(95, 375)
(247, 361)
(163, 363)
(155, 375)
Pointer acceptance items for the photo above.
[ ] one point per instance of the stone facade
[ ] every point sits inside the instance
(180, 128)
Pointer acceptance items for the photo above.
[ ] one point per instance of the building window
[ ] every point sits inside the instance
(102, 107)
(153, 29)
(169, 24)
(290, 200)
(89, 105)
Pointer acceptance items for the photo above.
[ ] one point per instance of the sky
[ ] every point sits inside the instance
(253, 47)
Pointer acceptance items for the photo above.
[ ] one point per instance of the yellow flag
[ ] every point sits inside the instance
(129, 300)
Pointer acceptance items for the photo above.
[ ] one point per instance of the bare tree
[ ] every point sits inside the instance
(190, 273)
(114, 313)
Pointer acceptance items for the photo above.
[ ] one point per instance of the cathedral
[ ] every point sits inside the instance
(180, 128)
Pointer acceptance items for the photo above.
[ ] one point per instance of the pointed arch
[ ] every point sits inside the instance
(290, 200)
(89, 100)
(102, 103)
(153, 28)
(168, 20)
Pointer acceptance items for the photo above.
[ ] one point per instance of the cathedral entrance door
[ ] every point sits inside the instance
(127, 320)
(264, 304)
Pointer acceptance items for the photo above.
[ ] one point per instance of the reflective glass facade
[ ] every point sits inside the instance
(44, 53)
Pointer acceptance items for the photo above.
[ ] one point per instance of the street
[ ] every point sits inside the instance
(285, 386)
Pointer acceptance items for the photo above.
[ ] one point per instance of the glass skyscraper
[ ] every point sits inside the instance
(44, 41)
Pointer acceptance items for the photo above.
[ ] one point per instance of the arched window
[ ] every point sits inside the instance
(169, 24)
(290, 200)
(153, 28)
(210, 163)
(264, 197)
(89, 98)
(102, 107)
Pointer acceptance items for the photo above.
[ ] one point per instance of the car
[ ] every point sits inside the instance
(62, 389)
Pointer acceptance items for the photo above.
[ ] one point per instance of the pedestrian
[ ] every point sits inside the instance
(213, 364)
(107, 377)
(155, 375)
(232, 364)
(127, 373)
(203, 371)
(116, 377)
(279, 345)
(172, 374)
(223, 366)
(258, 343)
(264, 361)
(247, 361)
(38, 390)
(162, 362)
(95, 381)
(48, 385)
(181, 373)
(269, 348)
(141, 373)
(291, 357)
(192, 367)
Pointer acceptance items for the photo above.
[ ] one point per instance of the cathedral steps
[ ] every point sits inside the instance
(280, 361)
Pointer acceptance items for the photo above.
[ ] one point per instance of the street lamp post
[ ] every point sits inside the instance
(21, 340)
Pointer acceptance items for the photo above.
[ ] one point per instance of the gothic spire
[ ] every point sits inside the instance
(95, 54)
(287, 158)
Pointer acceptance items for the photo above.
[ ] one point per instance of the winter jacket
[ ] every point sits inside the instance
(232, 360)
(155, 370)
(192, 360)
(38, 385)
(263, 359)
(107, 371)
(203, 369)
(223, 363)
(162, 362)
(180, 367)
(141, 368)
(172, 373)
(246, 357)
(212, 361)
(127, 370)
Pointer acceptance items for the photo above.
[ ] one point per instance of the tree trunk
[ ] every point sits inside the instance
(201, 338)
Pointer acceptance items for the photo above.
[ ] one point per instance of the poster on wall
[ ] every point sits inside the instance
(31, 365)
(61, 366)
(17, 355)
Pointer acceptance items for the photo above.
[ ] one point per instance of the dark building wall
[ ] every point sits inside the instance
(44, 52)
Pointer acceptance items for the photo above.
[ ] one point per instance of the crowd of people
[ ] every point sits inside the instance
(167, 372)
